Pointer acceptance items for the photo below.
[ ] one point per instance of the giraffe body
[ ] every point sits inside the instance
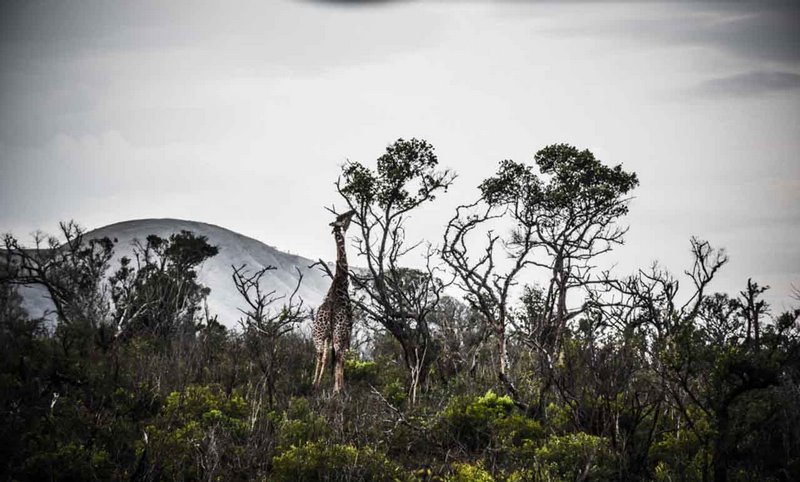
(333, 323)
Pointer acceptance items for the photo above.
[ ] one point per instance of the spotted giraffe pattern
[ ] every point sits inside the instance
(333, 323)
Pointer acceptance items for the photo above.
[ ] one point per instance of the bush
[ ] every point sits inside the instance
(577, 456)
(360, 371)
(298, 425)
(489, 425)
(395, 392)
(469, 473)
(474, 422)
(70, 461)
(682, 457)
(517, 430)
(195, 429)
(316, 461)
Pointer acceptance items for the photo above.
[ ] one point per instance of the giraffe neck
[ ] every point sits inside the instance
(341, 259)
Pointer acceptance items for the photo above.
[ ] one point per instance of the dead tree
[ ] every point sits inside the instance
(487, 286)
(679, 338)
(263, 325)
(72, 271)
(753, 309)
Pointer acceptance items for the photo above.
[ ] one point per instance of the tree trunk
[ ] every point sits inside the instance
(721, 448)
(502, 351)
(418, 361)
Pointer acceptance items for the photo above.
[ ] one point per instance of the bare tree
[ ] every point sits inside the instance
(683, 341)
(487, 286)
(72, 271)
(753, 309)
(264, 325)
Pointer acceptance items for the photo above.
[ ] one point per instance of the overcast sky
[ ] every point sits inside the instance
(240, 114)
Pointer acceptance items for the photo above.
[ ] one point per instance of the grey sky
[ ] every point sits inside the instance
(239, 114)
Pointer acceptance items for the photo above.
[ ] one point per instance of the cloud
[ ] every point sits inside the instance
(761, 31)
(355, 3)
(749, 84)
(76, 68)
(753, 31)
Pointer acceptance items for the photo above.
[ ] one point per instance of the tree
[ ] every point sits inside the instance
(562, 219)
(160, 294)
(702, 351)
(399, 298)
(460, 334)
(72, 271)
(753, 309)
(264, 326)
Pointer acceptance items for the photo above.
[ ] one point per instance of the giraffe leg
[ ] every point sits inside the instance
(326, 347)
(338, 373)
(318, 368)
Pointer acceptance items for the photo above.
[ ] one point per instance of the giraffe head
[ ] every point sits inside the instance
(343, 221)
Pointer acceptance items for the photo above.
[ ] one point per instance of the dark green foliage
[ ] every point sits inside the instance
(299, 424)
(197, 430)
(572, 178)
(322, 462)
(405, 176)
(360, 371)
(577, 456)
(576, 173)
(473, 422)
(490, 429)
(159, 295)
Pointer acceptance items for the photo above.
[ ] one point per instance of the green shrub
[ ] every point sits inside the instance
(577, 456)
(490, 425)
(70, 461)
(298, 424)
(560, 417)
(395, 392)
(316, 461)
(517, 430)
(473, 422)
(682, 456)
(357, 370)
(464, 472)
(199, 423)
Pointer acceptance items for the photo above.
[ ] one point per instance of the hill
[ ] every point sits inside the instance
(234, 249)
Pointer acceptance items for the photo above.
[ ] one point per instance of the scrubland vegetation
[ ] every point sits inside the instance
(593, 375)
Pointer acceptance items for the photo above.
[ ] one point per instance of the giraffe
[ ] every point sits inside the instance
(334, 320)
